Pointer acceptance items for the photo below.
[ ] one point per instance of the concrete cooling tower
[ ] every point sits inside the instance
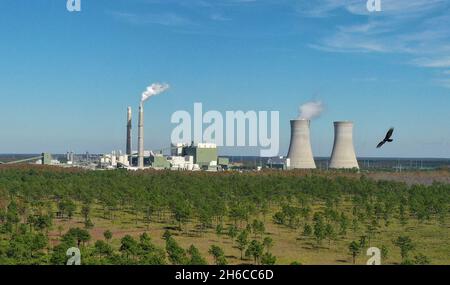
(343, 155)
(300, 153)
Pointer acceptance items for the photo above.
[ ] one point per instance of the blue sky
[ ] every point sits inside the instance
(67, 78)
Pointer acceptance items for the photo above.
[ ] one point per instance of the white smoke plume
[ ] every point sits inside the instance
(154, 89)
(311, 110)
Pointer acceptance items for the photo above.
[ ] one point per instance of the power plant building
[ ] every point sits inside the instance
(204, 154)
(158, 161)
(280, 163)
(46, 159)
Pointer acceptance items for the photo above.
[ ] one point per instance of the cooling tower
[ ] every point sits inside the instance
(129, 133)
(343, 155)
(300, 153)
(141, 137)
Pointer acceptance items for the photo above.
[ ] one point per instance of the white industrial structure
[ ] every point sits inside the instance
(113, 160)
(300, 153)
(129, 130)
(206, 145)
(177, 149)
(70, 158)
(183, 163)
(281, 162)
(141, 137)
(343, 154)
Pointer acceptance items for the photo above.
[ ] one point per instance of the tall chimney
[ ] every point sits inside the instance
(141, 137)
(343, 155)
(300, 152)
(129, 127)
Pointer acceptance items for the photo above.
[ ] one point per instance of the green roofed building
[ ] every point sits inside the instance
(205, 154)
(159, 162)
(46, 159)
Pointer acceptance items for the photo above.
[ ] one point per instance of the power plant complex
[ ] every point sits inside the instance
(204, 155)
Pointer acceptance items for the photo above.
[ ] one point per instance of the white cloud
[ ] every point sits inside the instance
(434, 63)
(404, 8)
(417, 28)
(164, 19)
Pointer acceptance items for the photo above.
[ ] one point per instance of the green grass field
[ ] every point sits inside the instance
(431, 239)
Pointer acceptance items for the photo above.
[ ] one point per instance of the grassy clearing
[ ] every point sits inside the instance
(430, 238)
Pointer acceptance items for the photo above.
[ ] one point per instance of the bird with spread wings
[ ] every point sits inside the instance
(387, 138)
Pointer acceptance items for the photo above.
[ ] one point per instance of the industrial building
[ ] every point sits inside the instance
(205, 154)
(183, 157)
(201, 156)
(282, 163)
(158, 161)
(114, 160)
(46, 159)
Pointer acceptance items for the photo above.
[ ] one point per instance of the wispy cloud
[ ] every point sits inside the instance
(181, 13)
(205, 17)
(219, 17)
(433, 62)
(325, 8)
(418, 28)
(164, 19)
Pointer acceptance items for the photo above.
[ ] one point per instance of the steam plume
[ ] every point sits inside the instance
(311, 110)
(154, 89)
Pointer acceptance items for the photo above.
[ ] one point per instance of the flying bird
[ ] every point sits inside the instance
(387, 138)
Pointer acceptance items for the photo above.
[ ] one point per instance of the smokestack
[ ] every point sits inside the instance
(343, 155)
(129, 127)
(141, 136)
(300, 152)
(152, 90)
